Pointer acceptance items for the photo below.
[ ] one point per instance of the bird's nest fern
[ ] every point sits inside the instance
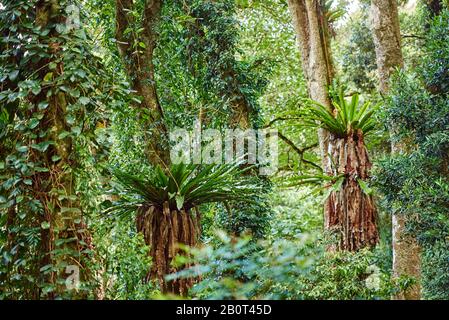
(346, 118)
(182, 187)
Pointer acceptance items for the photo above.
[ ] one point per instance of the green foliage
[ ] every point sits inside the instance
(124, 260)
(345, 275)
(182, 186)
(238, 268)
(355, 52)
(435, 275)
(436, 61)
(209, 55)
(33, 57)
(347, 117)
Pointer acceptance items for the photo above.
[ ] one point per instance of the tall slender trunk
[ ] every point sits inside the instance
(349, 211)
(137, 52)
(387, 40)
(163, 228)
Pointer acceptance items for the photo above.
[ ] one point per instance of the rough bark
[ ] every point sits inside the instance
(164, 229)
(137, 52)
(316, 62)
(387, 40)
(349, 211)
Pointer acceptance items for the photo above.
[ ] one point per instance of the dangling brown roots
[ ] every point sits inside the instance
(163, 230)
(350, 211)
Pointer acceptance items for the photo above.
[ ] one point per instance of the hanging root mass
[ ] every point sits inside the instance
(164, 229)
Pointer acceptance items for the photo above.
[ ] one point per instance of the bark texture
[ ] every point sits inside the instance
(308, 19)
(164, 229)
(137, 52)
(351, 212)
(387, 40)
(348, 211)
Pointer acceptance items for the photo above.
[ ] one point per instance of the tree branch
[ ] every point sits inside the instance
(299, 151)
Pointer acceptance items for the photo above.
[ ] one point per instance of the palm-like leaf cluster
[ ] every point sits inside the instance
(182, 186)
(346, 118)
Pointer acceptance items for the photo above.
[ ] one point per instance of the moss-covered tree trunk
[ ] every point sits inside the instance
(164, 229)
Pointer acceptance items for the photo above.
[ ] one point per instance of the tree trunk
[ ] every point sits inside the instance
(137, 52)
(164, 229)
(387, 40)
(55, 189)
(316, 61)
(349, 211)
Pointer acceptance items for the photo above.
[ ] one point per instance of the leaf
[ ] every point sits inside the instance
(33, 123)
(179, 201)
(48, 77)
(75, 93)
(63, 135)
(22, 148)
(68, 209)
(46, 267)
(36, 89)
(42, 105)
(141, 44)
(76, 130)
(42, 146)
(45, 225)
(13, 75)
(84, 100)
(364, 186)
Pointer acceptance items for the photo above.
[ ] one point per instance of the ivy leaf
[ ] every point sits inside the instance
(63, 135)
(48, 77)
(75, 93)
(76, 130)
(46, 267)
(60, 28)
(36, 89)
(43, 146)
(22, 148)
(84, 100)
(33, 123)
(13, 75)
(42, 105)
